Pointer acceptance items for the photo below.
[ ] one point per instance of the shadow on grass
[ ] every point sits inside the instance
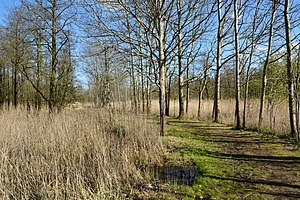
(251, 181)
(282, 194)
(244, 157)
(227, 135)
(261, 154)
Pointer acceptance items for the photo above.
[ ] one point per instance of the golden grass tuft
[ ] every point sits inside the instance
(76, 154)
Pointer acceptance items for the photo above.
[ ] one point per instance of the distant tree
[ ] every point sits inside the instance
(18, 52)
(53, 17)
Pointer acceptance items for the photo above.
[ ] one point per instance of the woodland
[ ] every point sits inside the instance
(100, 99)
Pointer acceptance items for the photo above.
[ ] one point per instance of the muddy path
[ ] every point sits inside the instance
(234, 164)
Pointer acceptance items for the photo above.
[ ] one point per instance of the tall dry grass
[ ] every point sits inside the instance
(82, 154)
(280, 118)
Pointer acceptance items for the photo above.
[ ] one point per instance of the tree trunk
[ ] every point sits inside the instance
(162, 71)
(180, 67)
(202, 87)
(249, 66)
(187, 92)
(1, 87)
(237, 67)
(143, 88)
(142, 74)
(168, 96)
(264, 76)
(53, 58)
(297, 93)
(15, 83)
(38, 103)
(292, 117)
(135, 103)
(148, 101)
(216, 110)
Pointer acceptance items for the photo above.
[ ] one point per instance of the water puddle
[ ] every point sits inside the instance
(181, 175)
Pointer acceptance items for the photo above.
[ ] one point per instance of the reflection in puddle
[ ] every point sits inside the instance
(181, 175)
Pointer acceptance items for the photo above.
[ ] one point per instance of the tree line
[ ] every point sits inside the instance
(134, 51)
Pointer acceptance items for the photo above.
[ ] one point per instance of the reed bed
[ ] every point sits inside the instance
(278, 121)
(76, 154)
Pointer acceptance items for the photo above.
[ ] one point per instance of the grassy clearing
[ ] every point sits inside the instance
(76, 154)
(233, 164)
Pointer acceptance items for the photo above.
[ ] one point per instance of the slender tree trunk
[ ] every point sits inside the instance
(15, 83)
(168, 96)
(143, 88)
(139, 93)
(216, 109)
(162, 76)
(53, 58)
(142, 73)
(148, 101)
(187, 92)
(135, 103)
(180, 90)
(202, 87)
(265, 67)
(237, 67)
(6, 86)
(200, 97)
(180, 67)
(292, 117)
(38, 103)
(1, 87)
(249, 65)
(130, 93)
(133, 78)
(297, 93)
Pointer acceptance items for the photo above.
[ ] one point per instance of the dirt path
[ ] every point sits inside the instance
(236, 164)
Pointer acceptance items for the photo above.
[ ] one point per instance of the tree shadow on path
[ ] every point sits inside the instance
(275, 163)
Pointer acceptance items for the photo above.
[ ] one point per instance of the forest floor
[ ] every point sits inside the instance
(213, 161)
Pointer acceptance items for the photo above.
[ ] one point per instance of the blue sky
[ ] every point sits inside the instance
(5, 5)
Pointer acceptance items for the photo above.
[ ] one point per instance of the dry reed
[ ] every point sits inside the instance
(82, 154)
(279, 121)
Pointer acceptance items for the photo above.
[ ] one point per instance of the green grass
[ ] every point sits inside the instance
(223, 175)
(191, 148)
